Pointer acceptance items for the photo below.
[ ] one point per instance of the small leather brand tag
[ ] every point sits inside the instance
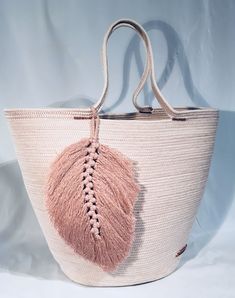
(182, 250)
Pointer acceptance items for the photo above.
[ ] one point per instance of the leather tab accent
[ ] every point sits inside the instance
(182, 250)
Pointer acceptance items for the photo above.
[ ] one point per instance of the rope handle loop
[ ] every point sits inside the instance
(149, 71)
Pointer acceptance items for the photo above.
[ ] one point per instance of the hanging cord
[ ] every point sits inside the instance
(95, 121)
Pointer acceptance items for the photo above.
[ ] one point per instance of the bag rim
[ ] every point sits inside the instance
(20, 113)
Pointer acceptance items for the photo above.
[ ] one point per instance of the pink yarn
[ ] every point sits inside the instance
(90, 198)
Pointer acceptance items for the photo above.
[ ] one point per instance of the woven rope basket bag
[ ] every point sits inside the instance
(171, 150)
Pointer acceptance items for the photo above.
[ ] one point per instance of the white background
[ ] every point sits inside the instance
(50, 56)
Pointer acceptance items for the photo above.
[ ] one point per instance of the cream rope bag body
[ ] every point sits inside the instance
(115, 195)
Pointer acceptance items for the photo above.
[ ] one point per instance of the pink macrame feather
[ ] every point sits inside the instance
(90, 197)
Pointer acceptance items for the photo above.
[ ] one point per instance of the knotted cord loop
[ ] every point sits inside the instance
(95, 121)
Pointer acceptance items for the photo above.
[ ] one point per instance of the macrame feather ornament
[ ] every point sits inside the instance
(90, 197)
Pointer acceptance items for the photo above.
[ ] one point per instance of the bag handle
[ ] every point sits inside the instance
(131, 24)
(149, 71)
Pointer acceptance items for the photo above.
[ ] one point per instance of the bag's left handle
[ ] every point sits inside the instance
(133, 25)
